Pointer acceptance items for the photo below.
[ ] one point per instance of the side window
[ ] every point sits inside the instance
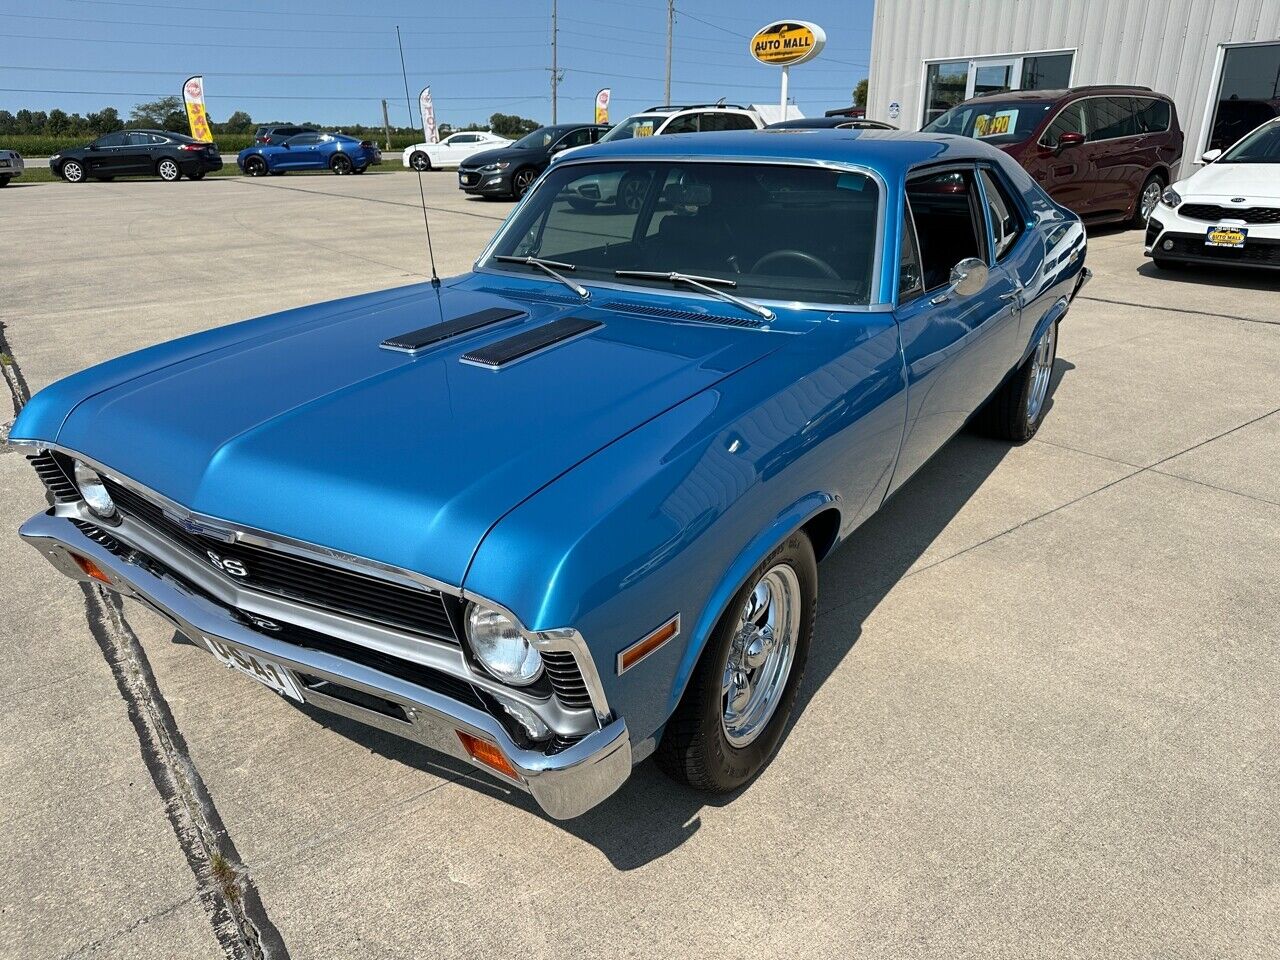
(465, 138)
(738, 121)
(157, 140)
(1109, 118)
(1069, 120)
(910, 273)
(1153, 116)
(1006, 223)
(304, 140)
(111, 140)
(138, 140)
(576, 138)
(685, 124)
(948, 220)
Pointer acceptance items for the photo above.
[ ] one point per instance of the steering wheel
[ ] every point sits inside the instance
(808, 259)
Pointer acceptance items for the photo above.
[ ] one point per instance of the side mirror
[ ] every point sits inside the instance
(1070, 139)
(1210, 155)
(968, 277)
(285, 144)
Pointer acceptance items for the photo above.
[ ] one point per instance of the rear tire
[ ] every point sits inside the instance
(1017, 409)
(198, 175)
(341, 164)
(1148, 197)
(419, 161)
(168, 170)
(737, 705)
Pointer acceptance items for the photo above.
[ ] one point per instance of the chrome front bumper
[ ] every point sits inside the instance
(564, 784)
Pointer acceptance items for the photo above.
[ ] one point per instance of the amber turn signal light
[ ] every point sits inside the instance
(629, 657)
(488, 754)
(90, 568)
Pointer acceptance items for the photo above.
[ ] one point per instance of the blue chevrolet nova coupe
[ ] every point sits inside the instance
(565, 511)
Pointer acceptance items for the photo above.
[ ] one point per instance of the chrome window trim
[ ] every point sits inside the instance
(875, 299)
(239, 533)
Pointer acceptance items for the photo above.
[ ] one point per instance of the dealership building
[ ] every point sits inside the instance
(1218, 59)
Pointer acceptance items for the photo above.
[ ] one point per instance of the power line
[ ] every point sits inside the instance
(257, 11)
(224, 73)
(244, 96)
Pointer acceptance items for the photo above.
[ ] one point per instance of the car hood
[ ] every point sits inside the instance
(1253, 181)
(312, 430)
(504, 153)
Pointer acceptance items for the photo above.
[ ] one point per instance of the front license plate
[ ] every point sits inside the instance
(266, 672)
(1224, 236)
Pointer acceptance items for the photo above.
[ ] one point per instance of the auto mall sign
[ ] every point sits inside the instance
(785, 43)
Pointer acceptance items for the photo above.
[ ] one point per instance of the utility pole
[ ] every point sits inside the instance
(671, 20)
(555, 69)
(386, 125)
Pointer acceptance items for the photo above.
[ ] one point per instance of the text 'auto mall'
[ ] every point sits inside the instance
(1219, 60)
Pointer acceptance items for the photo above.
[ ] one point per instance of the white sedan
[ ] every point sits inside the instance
(451, 151)
(1226, 212)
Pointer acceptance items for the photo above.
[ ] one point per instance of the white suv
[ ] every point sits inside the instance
(695, 118)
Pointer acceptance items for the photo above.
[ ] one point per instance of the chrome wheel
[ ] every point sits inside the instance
(1041, 372)
(1150, 197)
(168, 170)
(761, 655)
(72, 172)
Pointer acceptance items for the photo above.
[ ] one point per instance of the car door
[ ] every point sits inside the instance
(302, 153)
(1064, 171)
(955, 348)
(451, 151)
(103, 156)
(1112, 147)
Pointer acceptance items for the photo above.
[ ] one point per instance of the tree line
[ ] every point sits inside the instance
(169, 113)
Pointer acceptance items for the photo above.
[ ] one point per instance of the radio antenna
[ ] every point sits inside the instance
(422, 194)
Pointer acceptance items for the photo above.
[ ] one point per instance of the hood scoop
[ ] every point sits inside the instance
(503, 353)
(420, 339)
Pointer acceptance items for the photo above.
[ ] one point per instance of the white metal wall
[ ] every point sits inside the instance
(1168, 45)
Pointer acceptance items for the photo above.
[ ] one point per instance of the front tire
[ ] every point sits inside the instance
(419, 161)
(739, 699)
(72, 171)
(522, 180)
(4, 181)
(255, 166)
(168, 170)
(1017, 409)
(341, 164)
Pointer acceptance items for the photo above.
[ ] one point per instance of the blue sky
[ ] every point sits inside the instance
(320, 61)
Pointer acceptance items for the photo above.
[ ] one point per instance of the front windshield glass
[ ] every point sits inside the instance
(1261, 146)
(994, 122)
(633, 127)
(540, 139)
(777, 232)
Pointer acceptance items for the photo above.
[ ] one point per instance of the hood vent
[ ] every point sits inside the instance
(416, 340)
(503, 353)
(670, 313)
(534, 296)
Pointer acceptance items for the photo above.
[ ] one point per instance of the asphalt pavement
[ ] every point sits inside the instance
(1041, 716)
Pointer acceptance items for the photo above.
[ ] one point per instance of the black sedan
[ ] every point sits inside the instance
(138, 153)
(510, 171)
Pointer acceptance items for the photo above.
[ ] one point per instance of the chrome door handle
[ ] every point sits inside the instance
(1011, 295)
(940, 299)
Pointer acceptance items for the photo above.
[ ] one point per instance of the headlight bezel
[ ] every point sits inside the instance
(510, 657)
(1168, 193)
(94, 492)
(496, 167)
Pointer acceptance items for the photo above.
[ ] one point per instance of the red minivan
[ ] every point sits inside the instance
(1106, 153)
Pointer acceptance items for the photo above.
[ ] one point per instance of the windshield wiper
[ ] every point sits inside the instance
(549, 267)
(705, 284)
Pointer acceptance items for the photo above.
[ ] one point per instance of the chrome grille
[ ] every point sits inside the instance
(54, 471)
(313, 583)
(1210, 212)
(566, 680)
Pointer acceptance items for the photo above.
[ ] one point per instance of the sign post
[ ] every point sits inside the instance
(787, 42)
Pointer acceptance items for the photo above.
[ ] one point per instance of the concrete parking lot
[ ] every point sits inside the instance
(1041, 718)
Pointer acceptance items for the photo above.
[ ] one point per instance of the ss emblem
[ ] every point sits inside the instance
(228, 565)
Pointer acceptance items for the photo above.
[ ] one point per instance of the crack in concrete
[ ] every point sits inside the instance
(1192, 313)
(223, 884)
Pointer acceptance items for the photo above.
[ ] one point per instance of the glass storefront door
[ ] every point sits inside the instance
(991, 76)
(1248, 92)
(949, 82)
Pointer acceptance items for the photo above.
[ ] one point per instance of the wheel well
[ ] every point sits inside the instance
(822, 531)
(1164, 175)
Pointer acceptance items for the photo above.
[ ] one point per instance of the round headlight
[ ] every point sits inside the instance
(94, 493)
(501, 648)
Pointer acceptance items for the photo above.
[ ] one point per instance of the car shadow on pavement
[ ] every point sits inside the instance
(1214, 275)
(650, 816)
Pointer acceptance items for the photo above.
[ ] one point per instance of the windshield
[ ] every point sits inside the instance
(776, 232)
(633, 127)
(1261, 146)
(540, 139)
(994, 122)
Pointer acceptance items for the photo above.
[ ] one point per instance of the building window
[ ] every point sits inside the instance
(1048, 72)
(1248, 94)
(945, 85)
